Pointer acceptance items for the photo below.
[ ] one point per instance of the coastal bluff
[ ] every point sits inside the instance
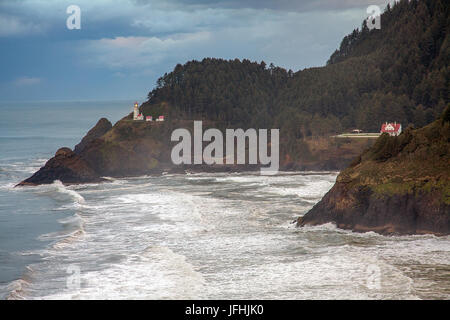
(399, 186)
(65, 166)
(133, 148)
(128, 148)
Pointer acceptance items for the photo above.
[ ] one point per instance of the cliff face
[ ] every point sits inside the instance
(131, 148)
(65, 166)
(128, 148)
(399, 186)
(103, 125)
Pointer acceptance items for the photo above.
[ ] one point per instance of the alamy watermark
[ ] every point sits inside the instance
(74, 20)
(73, 281)
(374, 19)
(236, 153)
(373, 273)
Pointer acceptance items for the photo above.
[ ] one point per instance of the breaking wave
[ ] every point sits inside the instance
(217, 236)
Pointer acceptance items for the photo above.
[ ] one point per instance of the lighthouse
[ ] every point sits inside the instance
(136, 111)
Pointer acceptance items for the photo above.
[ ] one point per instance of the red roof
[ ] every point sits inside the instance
(390, 127)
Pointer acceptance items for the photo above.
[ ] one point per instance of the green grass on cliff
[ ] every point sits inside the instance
(417, 161)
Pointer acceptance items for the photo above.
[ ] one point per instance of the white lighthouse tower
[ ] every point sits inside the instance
(135, 111)
(136, 114)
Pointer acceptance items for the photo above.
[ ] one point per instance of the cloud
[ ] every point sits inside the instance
(128, 44)
(293, 40)
(279, 5)
(12, 26)
(26, 81)
(109, 18)
(122, 53)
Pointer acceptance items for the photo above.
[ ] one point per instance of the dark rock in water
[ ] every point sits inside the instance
(65, 166)
(399, 186)
(102, 126)
(360, 209)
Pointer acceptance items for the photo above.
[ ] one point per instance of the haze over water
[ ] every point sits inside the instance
(199, 236)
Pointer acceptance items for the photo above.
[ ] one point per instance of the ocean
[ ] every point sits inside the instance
(185, 236)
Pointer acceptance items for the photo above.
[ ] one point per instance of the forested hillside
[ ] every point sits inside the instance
(398, 73)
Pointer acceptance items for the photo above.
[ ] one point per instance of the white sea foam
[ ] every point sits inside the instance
(68, 239)
(16, 289)
(173, 206)
(155, 273)
(263, 180)
(158, 239)
(8, 186)
(63, 189)
(73, 231)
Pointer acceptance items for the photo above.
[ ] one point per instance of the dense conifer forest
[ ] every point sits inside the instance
(397, 73)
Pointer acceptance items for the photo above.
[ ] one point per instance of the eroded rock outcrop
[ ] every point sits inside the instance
(103, 126)
(399, 186)
(65, 166)
(69, 166)
(128, 148)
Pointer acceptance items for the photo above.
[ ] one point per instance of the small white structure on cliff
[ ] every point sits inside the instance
(136, 114)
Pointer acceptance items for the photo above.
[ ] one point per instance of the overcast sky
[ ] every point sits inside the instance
(124, 46)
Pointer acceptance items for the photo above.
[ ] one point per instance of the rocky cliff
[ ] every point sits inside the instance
(65, 166)
(103, 125)
(131, 148)
(128, 148)
(399, 186)
(398, 73)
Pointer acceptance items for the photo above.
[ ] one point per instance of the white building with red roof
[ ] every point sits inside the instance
(393, 129)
